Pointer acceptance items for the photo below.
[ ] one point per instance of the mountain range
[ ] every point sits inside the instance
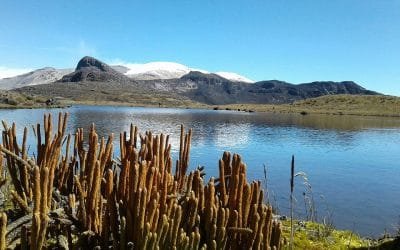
(94, 80)
(146, 71)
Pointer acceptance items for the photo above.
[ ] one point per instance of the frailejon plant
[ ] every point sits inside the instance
(84, 198)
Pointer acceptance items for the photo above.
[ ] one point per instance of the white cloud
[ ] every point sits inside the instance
(72, 51)
(6, 72)
(83, 49)
(116, 61)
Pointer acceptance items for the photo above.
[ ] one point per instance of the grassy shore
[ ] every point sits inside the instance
(364, 105)
(314, 236)
(14, 100)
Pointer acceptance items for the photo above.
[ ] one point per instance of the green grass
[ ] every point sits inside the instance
(313, 236)
(365, 105)
(379, 105)
(12, 100)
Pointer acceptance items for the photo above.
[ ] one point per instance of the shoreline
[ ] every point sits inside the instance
(281, 109)
(317, 235)
(245, 108)
(338, 105)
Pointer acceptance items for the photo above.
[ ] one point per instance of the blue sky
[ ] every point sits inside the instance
(295, 41)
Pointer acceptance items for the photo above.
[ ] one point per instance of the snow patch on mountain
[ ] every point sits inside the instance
(17, 78)
(234, 77)
(170, 70)
(156, 70)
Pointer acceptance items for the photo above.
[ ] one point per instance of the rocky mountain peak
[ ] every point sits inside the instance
(91, 62)
(92, 69)
(205, 77)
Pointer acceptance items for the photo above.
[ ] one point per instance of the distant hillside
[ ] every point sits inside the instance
(215, 90)
(378, 105)
(40, 76)
(212, 89)
(366, 105)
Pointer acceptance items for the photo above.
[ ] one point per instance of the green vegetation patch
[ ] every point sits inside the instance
(312, 236)
(377, 105)
(363, 105)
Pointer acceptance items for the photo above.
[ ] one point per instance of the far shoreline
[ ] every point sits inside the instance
(245, 108)
(375, 106)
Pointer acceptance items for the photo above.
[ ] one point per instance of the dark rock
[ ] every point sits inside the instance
(50, 102)
(203, 77)
(89, 62)
(91, 69)
(216, 90)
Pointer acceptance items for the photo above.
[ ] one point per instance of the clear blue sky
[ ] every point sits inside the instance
(296, 41)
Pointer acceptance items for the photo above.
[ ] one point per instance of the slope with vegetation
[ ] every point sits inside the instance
(369, 105)
(12, 100)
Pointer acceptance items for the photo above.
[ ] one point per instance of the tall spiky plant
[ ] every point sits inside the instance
(291, 203)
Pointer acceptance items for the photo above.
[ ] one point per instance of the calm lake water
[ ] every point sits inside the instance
(352, 163)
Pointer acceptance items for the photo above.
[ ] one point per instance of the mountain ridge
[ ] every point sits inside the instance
(40, 76)
(145, 71)
(202, 87)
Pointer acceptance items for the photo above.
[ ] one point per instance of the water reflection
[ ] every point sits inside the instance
(352, 161)
(229, 135)
(345, 122)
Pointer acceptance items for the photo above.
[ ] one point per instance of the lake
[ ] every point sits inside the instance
(352, 163)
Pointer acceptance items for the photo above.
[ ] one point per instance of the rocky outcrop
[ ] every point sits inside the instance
(213, 89)
(199, 77)
(91, 69)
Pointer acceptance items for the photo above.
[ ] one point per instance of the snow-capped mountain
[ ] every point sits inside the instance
(170, 70)
(135, 71)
